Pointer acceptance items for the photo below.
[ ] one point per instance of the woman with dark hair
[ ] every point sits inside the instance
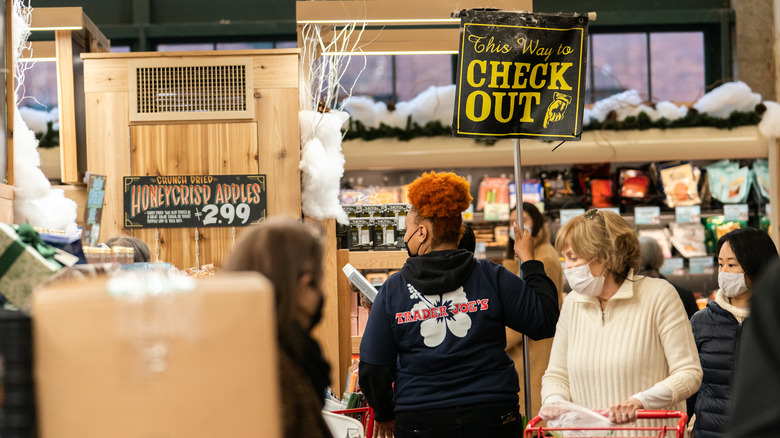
(140, 249)
(650, 265)
(538, 351)
(432, 359)
(743, 254)
(289, 253)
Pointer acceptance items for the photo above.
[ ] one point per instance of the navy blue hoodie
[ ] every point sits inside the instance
(437, 330)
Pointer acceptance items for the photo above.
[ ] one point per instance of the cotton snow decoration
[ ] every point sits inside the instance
(35, 119)
(730, 97)
(34, 199)
(770, 121)
(669, 111)
(322, 164)
(433, 104)
(364, 109)
(624, 104)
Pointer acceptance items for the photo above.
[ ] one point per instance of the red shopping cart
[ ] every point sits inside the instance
(363, 415)
(535, 430)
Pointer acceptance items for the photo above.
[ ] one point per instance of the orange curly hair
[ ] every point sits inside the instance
(442, 195)
(441, 198)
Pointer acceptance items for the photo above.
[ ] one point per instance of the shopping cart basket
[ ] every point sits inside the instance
(534, 430)
(364, 415)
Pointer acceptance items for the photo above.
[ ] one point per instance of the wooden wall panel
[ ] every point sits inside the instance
(108, 153)
(193, 149)
(105, 75)
(280, 149)
(276, 71)
(270, 145)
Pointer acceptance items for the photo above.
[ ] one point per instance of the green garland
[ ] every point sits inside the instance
(357, 130)
(50, 138)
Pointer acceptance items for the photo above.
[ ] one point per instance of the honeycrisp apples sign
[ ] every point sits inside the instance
(521, 75)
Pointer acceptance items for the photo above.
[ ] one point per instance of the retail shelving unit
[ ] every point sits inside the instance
(360, 260)
(595, 147)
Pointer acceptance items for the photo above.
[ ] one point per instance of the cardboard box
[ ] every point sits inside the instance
(27, 270)
(94, 379)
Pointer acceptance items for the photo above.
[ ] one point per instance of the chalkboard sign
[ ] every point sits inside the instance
(184, 201)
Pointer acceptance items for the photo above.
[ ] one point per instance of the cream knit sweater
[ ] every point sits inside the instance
(641, 339)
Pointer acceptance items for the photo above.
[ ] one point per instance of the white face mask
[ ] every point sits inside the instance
(732, 283)
(583, 282)
(512, 230)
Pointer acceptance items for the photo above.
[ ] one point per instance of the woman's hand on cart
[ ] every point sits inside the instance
(384, 429)
(624, 412)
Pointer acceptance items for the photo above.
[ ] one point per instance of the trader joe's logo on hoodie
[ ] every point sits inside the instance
(441, 313)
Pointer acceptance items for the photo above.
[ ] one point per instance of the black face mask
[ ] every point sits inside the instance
(409, 251)
(315, 319)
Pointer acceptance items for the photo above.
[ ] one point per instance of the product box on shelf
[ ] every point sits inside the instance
(25, 262)
(198, 360)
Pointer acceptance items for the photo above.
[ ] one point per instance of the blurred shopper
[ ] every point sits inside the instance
(140, 249)
(432, 359)
(754, 408)
(650, 265)
(623, 340)
(538, 351)
(289, 253)
(743, 255)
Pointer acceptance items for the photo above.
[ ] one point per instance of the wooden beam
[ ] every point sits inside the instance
(66, 97)
(402, 40)
(70, 18)
(40, 49)
(10, 98)
(389, 12)
(73, 19)
(774, 184)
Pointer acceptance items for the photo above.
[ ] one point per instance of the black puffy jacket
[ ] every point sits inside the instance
(717, 333)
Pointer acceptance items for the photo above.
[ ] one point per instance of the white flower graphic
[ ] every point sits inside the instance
(434, 330)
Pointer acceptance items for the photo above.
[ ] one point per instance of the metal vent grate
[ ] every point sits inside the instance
(192, 89)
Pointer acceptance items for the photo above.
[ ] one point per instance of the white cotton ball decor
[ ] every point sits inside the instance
(34, 199)
(730, 97)
(770, 120)
(624, 104)
(322, 164)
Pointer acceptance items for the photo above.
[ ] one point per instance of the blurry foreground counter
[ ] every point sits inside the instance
(154, 355)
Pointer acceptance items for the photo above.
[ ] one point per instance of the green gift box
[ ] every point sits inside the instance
(25, 262)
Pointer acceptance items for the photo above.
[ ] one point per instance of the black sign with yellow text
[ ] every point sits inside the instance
(183, 201)
(520, 75)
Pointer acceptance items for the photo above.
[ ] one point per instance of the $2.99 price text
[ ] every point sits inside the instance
(211, 214)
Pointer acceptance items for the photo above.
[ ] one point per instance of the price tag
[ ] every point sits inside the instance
(768, 209)
(568, 213)
(687, 214)
(672, 266)
(735, 212)
(615, 210)
(701, 265)
(647, 215)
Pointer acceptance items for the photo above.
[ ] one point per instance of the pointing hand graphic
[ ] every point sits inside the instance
(557, 108)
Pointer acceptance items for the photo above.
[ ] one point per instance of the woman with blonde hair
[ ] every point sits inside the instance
(623, 340)
(289, 253)
(432, 359)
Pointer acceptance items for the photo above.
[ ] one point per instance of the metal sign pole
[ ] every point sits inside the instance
(519, 207)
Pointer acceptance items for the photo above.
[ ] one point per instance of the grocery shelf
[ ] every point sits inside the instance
(594, 147)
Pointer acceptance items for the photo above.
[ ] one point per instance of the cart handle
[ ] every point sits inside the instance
(643, 414)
